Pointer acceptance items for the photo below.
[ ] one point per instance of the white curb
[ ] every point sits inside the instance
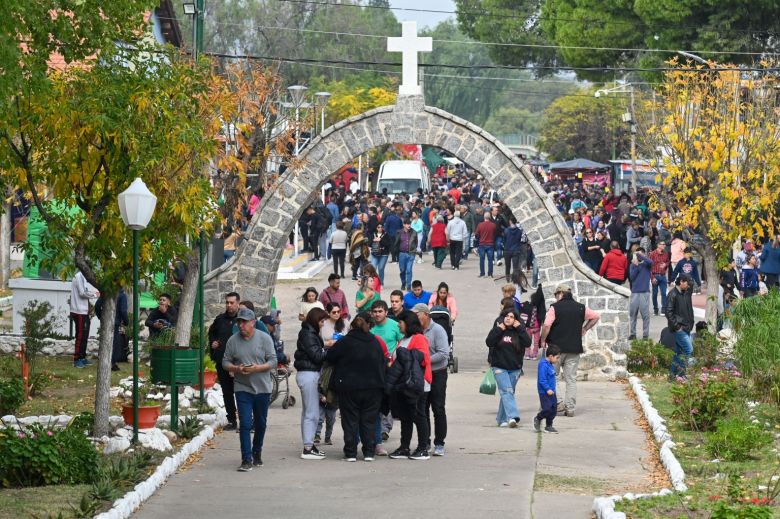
(604, 507)
(129, 503)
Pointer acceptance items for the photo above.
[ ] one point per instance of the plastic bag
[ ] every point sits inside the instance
(488, 384)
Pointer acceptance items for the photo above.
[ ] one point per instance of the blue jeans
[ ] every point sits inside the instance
(683, 349)
(506, 382)
(424, 239)
(252, 412)
(379, 263)
(228, 254)
(406, 263)
(660, 284)
(486, 250)
(467, 246)
(499, 247)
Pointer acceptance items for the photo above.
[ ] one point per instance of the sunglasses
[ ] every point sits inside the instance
(335, 312)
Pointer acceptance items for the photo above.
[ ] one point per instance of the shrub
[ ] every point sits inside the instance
(40, 323)
(705, 397)
(735, 438)
(37, 455)
(648, 356)
(190, 427)
(757, 349)
(706, 347)
(11, 395)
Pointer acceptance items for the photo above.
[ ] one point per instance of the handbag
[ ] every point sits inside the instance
(488, 384)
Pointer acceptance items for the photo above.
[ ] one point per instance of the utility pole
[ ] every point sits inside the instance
(633, 145)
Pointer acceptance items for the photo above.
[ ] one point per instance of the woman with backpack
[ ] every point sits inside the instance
(359, 380)
(506, 344)
(408, 381)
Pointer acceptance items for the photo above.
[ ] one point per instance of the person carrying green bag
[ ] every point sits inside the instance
(507, 342)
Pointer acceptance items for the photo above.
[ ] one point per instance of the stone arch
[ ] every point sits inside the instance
(252, 272)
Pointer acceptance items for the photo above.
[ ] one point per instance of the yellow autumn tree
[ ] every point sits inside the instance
(717, 134)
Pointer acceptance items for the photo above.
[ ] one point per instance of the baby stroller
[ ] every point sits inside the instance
(280, 377)
(441, 316)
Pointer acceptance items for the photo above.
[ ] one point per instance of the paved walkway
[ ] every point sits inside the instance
(486, 468)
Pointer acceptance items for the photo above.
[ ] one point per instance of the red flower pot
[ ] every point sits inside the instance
(209, 379)
(147, 415)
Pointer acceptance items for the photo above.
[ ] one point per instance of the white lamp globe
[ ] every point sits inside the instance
(136, 205)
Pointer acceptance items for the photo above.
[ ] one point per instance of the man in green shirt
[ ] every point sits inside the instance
(385, 328)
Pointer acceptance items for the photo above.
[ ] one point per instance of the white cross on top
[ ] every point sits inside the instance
(409, 44)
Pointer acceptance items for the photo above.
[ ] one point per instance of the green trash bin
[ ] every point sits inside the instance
(186, 365)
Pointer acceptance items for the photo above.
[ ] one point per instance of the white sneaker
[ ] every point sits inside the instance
(419, 260)
(504, 424)
(512, 423)
(312, 454)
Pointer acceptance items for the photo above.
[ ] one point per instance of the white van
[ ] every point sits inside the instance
(403, 176)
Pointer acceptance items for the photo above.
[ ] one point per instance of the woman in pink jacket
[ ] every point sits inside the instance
(443, 297)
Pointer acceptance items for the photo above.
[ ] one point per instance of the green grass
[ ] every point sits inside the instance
(40, 501)
(71, 390)
(708, 482)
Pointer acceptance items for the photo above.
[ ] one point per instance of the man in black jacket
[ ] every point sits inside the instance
(679, 317)
(565, 323)
(219, 332)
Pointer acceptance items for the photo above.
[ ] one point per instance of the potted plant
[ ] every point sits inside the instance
(148, 410)
(209, 373)
(166, 357)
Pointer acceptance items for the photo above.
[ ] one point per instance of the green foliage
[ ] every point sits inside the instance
(208, 363)
(735, 438)
(706, 348)
(164, 339)
(88, 507)
(190, 427)
(724, 510)
(40, 324)
(581, 125)
(83, 422)
(757, 350)
(648, 356)
(37, 455)
(11, 395)
(705, 397)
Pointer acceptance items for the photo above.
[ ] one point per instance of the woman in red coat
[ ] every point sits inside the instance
(614, 266)
(438, 241)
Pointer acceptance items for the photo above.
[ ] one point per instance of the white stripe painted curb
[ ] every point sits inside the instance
(604, 507)
(129, 503)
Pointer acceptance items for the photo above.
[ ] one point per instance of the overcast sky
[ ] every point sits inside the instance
(423, 19)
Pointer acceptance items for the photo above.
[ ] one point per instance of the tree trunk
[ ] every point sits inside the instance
(102, 389)
(711, 269)
(187, 300)
(5, 246)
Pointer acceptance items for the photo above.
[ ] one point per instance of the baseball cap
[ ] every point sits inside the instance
(245, 314)
(267, 319)
(421, 307)
(563, 287)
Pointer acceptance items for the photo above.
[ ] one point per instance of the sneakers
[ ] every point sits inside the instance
(632, 337)
(504, 424)
(114, 367)
(513, 423)
(257, 459)
(368, 458)
(420, 454)
(399, 453)
(312, 454)
(499, 262)
(537, 424)
(419, 260)
(438, 450)
(551, 430)
(380, 450)
(350, 459)
(246, 466)
(87, 362)
(328, 441)
(80, 364)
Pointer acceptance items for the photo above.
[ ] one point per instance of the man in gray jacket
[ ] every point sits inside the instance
(249, 356)
(440, 354)
(456, 234)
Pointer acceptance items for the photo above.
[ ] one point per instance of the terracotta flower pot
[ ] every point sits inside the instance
(209, 379)
(147, 415)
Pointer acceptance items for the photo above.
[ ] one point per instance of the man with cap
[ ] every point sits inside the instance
(249, 357)
(219, 332)
(565, 323)
(440, 353)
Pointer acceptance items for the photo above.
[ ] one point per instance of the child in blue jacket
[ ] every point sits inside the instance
(545, 385)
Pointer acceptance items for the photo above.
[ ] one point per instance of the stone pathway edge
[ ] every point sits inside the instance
(604, 507)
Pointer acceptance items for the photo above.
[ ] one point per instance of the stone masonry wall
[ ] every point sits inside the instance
(252, 272)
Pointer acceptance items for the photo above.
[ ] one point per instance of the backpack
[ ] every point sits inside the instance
(326, 215)
(414, 378)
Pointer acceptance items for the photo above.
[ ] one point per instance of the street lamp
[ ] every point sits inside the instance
(322, 102)
(627, 118)
(189, 8)
(136, 205)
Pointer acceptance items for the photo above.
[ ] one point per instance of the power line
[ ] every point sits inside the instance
(496, 44)
(698, 69)
(509, 14)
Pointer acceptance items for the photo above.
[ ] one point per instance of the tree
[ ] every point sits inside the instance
(80, 143)
(718, 135)
(738, 27)
(509, 120)
(581, 125)
(353, 97)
